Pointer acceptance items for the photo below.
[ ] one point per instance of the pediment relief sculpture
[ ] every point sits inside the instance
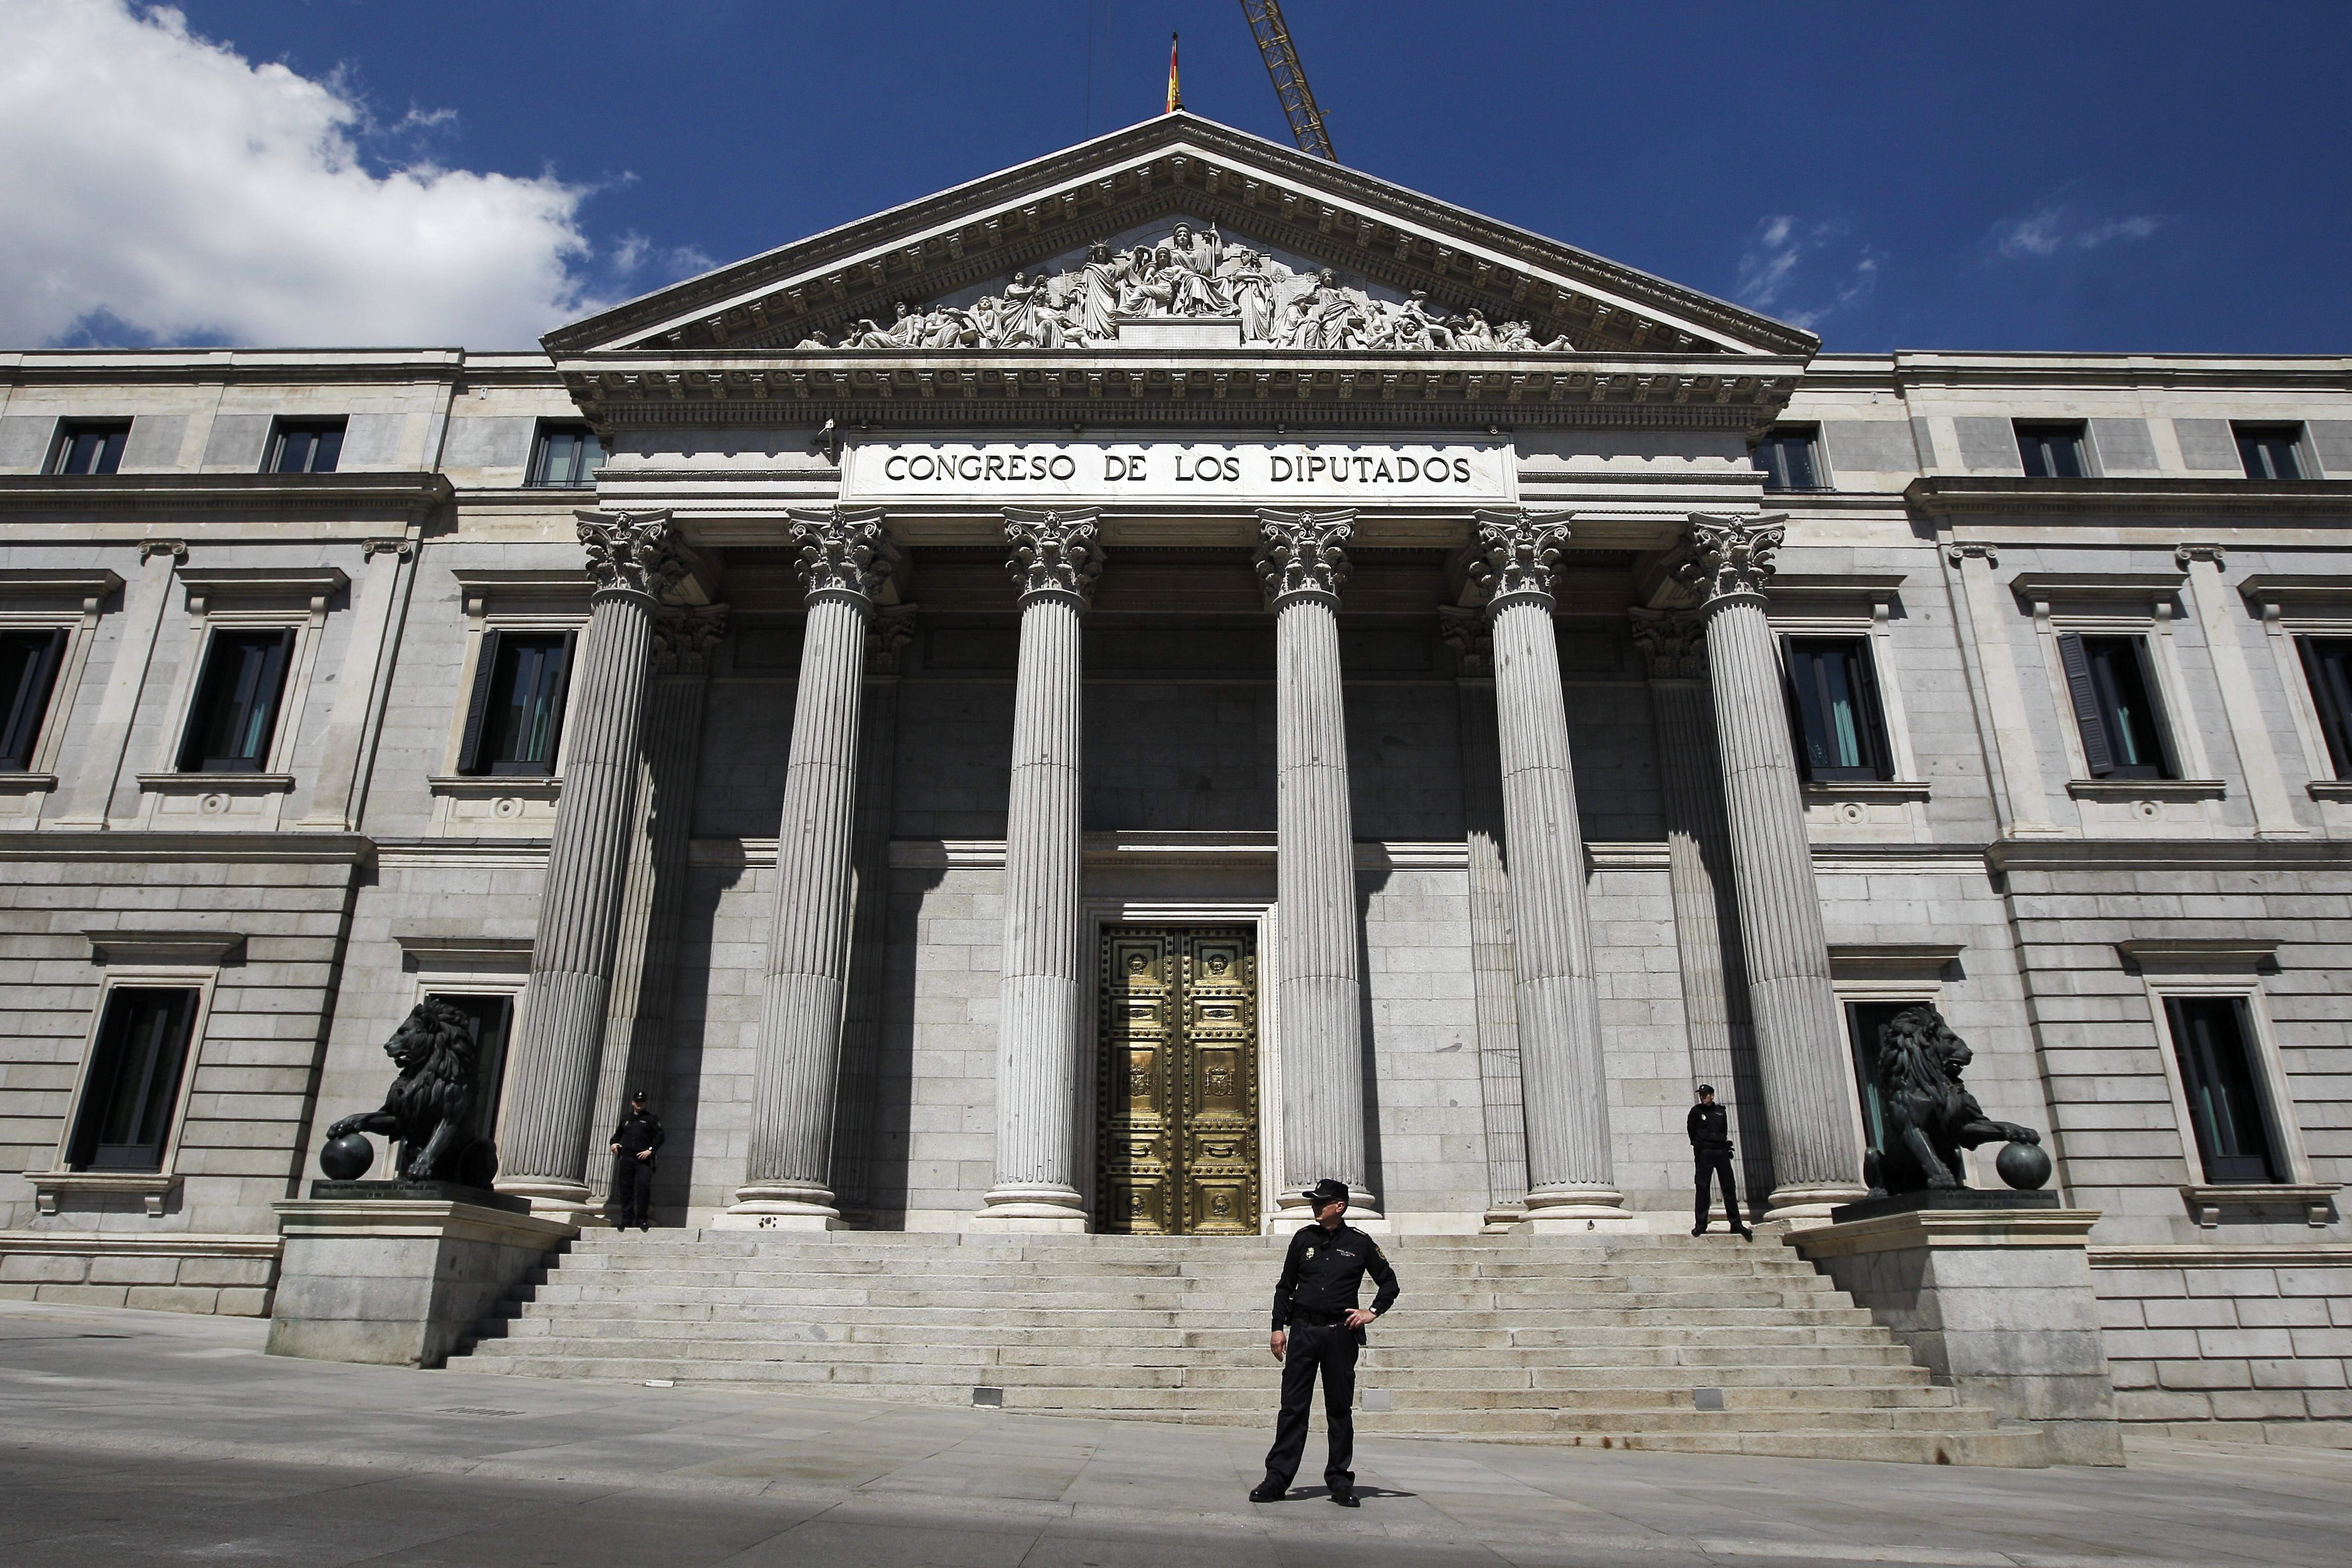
(1191, 273)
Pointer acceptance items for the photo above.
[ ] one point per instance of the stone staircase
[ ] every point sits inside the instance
(1641, 1342)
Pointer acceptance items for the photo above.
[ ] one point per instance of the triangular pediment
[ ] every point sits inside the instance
(1396, 261)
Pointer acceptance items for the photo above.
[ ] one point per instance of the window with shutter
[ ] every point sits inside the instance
(235, 716)
(2327, 665)
(1840, 731)
(29, 674)
(2210, 1040)
(133, 1087)
(2116, 708)
(516, 720)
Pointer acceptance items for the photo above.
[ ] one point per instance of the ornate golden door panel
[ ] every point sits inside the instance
(1178, 1146)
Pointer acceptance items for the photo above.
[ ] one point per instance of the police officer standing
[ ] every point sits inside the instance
(1710, 1136)
(634, 1142)
(1318, 1324)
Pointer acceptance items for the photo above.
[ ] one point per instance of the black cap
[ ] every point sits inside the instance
(1325, 1191)
(636, 1096)
(1707, 1088)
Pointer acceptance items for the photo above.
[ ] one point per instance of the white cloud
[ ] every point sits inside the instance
(1779, 267)
(2054, 228)
(152, 179)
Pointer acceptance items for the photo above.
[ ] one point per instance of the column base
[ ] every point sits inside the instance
(1577, 1210)
(1502, 1219)
(1042, 1209)
(553, 1197)
(781, 1206)
(1363, 1212)
(1801, 1206)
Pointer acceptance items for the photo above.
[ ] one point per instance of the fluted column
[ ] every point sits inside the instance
(845, 560)
(1571, 1184)
(1302, 561)
(1494, 966)
(1698, 875)
(552, 1076)
(645, 958)
(1816, 1147)
(1040, 1059)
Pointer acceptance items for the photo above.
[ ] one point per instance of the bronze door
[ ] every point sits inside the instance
(1177, 1144)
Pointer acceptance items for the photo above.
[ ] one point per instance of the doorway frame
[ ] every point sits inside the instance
(1096, 914)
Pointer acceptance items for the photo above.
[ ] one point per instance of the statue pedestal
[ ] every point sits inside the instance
(1994, 1301)
(394, 1278)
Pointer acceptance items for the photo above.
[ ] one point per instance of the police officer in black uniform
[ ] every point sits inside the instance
(1316, 1323)
(634, 1142)
(1710, 1136)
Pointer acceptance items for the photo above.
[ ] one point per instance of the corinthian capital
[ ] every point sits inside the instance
(844, 552)
(1303, 552)
(1723, 557)
(1054, 552)
(684, 637)
(1673, 643)
(631, 552)
(1516, 553)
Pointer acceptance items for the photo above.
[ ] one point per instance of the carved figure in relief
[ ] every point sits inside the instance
(1250, 288)
(1193, 272)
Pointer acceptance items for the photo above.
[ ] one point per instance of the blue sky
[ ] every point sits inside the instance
(2142, 176)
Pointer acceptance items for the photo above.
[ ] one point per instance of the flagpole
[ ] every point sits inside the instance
(1175, 96)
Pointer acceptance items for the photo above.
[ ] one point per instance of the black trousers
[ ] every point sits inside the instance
(1717, 1163)
(1333, 1352)
(633, 1190)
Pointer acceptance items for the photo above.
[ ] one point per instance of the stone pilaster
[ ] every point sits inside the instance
(1040, 1057)
(1494, 968)
(644, 961)
(1698, 872)
(1808, 1087)
(1302, 561)
(1566, 1088)
(551, 1073)
(846, 558)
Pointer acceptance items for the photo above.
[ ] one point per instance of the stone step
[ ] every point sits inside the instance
(1435, 1347)
(1123, 1295)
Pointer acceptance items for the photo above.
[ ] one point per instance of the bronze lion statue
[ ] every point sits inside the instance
(1929, 1114)
(429, 1106)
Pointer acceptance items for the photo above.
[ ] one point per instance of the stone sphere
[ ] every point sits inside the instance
(348, 1158)
(2024, 1166)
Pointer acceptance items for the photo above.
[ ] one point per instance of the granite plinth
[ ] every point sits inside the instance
(1937, 1200)
(415, 1192)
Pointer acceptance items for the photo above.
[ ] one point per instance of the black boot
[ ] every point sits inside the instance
(1269, 1490)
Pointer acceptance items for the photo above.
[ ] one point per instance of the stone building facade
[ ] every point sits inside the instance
(1437, 708)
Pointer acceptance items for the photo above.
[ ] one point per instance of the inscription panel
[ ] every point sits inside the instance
(1277, 472)
(1178, 1152)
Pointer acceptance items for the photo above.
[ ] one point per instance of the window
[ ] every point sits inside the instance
(491, 1018)
(2328, 665)
(1839, 729)
(2269, 451)
(1789, 459)
(516, 715)
(1863, 1021)
(2051, 451)
(91, 446)
(2114, 705)
(2210, 1038)
(28, 671)
(306, 447)
(134, 1079)
(235, 716)
(568, 455)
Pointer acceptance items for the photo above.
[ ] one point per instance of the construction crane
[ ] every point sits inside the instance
(1289, 77)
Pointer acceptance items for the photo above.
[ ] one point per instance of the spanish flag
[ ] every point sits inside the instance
(1175, 96)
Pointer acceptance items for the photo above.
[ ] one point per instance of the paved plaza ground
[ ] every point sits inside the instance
(133, 1438)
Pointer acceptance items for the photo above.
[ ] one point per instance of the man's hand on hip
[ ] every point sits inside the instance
(1358, 1317)
(1279, 1342)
